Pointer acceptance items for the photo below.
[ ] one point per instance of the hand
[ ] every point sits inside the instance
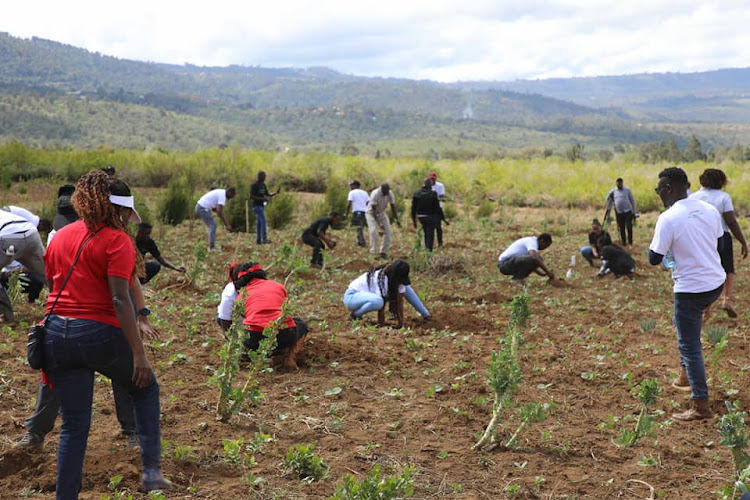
(551, 275)
(141, 370)
(447, 223)
(228, 226)
(398, 223)
(332, 244)
(147, 330)
(180, 269)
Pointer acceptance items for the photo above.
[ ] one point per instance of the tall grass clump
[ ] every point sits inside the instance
(177, 203)
(239, 210)
(280, 211)
(485, 210)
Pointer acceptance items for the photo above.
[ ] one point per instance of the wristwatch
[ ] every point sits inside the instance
(144, 312)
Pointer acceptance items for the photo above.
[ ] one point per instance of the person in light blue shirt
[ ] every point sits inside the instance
(625, 211)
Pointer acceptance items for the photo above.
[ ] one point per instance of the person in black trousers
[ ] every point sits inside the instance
(315, 236)
(425, 206)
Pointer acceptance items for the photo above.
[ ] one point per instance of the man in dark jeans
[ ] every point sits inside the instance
(260, 196)
(425, 206)
(315, 235)
(145, 244)
(691, 230)
(624, 203)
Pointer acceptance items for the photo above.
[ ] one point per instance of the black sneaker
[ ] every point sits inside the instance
(30, 441)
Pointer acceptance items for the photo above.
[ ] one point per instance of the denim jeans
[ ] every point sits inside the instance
(363, 302)
(358, 221)
(688, 320)
(74, 350)
(208, 219)
(260, 224)
(588, 254)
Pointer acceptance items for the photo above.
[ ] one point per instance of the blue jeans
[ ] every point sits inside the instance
(260, 224)
(688, 320)
(208, 219)
(74, 350)
(363, 302)
(588, 254)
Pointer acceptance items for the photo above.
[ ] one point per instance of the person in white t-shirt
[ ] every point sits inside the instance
(713, 181)
(214, 201)
(386, 284)
(522, 258)
(439, 188)
(690, 230)
(356, 202)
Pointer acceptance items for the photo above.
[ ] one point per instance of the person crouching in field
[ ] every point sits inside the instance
(315, 236)
(522, 258)
(590, 251)
(263, 300)
(691, 230)
(388, 283)
(615, 260)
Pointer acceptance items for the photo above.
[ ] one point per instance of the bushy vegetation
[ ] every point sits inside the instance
(177, 202)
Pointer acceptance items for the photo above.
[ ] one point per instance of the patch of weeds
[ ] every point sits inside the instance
(375, 486)
(305, 463)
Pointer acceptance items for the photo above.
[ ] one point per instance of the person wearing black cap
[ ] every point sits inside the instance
(357, 201)
(426, 207)
(388, 283)
(439, 189)
(315, 236)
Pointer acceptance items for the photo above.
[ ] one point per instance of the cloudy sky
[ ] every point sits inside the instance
(445, 40)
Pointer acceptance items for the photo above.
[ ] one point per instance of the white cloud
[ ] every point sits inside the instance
(446, 40)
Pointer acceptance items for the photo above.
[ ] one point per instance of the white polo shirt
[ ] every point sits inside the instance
(719, 199)
(26, 214)
(228, 296)
(690, 229)
(213, 199)
(520, 247)
(359, 199)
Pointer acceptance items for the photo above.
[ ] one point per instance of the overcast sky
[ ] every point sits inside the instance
(444, 40)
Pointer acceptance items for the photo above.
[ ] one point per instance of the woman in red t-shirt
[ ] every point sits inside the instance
(263, 300)
(93, 328)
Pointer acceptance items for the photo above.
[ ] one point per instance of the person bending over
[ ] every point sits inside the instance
(145, 244)
(615, 260)
(263, 300)
(388, 283)
(315, 236)
(522, 258)
(590, 251)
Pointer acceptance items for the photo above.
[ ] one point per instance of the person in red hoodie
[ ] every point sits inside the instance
(263, 300)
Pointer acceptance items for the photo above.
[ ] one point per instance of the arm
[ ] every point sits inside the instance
(164, 262)
(400, 310)
(223, 217)
(225, 324)
(413, 211)
(348, 207)
(734, 227)
(395, 214)
(632, 201)
(147, 329)
(381, 316)
(322, 235)
(119, 290)
(538, 259)
(654, 258)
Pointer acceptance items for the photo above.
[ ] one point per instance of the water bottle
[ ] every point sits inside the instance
(668, 260)
(572, 261)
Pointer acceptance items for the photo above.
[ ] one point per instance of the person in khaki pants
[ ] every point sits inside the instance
(376, 218)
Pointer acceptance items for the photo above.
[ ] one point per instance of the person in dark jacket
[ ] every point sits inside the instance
(146, 244)
(615, 260)
(315, 236)
(425, 206)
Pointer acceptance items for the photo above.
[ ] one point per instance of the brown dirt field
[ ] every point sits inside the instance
(585, 352)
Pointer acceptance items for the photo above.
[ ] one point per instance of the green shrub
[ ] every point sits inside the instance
(177, 203)
(280, 211)
(306, 464)
(239, 210)
(484, 210)
(450, 212)
(375, 487)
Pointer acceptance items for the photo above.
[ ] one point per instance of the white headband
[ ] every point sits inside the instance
(128, 202)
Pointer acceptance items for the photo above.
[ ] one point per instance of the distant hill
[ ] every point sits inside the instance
(57, 94)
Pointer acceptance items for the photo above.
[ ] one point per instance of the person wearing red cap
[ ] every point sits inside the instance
(439, 188)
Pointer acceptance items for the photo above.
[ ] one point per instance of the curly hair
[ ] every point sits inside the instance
(241, 282)
(91, 200)
(713, 178)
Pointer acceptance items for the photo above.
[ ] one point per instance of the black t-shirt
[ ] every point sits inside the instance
(593, 238)
(148, 246)
(258, 188)
(321, 224)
